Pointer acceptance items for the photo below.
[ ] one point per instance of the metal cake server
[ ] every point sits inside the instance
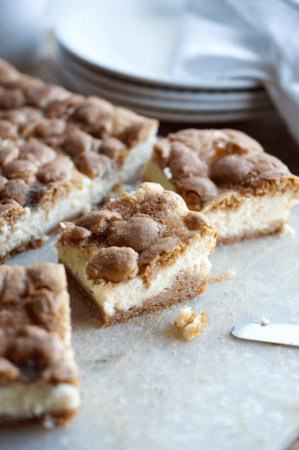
(276, 333)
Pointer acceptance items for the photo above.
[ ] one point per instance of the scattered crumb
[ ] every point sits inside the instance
(167, 173)
(174, 352)
(62, 225)
(48, 422)
(226, 276)
(191, 324)
(184, 317)
(287, 231)
(197, 326)
(45, 239)
(232, 313)
(265, 321)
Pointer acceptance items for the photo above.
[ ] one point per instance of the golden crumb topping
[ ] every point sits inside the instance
(113, 264)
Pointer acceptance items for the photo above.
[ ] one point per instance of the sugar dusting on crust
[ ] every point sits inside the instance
(226, 276)
(191, 324)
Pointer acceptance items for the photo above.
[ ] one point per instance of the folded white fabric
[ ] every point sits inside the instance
(209, 51)
(233, 39)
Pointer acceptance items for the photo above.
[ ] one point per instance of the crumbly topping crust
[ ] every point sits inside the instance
(34, 324)
(205, 165)
(48, 134)
(136, 234)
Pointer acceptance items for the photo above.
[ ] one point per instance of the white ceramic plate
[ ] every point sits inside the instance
(129, 38)
(133, 100)
(167, 113)
(73, 65)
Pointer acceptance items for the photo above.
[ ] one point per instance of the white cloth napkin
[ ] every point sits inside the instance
(233, 39)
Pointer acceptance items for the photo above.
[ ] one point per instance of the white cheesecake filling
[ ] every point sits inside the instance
(252, 214)
(37, 398)
(34, 225)
(123, 296)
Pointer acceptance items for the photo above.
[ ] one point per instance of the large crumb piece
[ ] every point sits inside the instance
(184, 317)
(225, 276)
(191, 324)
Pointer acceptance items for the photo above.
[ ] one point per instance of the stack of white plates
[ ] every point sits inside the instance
(122, 51)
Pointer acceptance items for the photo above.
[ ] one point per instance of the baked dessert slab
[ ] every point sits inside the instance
(60, 153)
(38, 374)
(226, 175)
(143, 251)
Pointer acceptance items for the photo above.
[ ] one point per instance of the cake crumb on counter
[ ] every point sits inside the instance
(225, 276)
(184, 317)
(287, 231)
(265, 321)
(191, 324)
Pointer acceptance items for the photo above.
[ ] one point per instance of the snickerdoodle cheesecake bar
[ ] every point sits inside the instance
(59, 154)
(144, 251)
(38, 374)
(226, 175)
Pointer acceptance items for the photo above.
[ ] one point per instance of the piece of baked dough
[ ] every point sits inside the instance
(59, 154)
(226, 175)
(143, 251)
(38, 374)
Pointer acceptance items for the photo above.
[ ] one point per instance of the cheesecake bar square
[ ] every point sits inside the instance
(144, 251)
(226, 175)
(60, 153)
(38, 373)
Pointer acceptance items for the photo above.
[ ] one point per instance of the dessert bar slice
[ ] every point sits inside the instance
(59, 154)
(227, 176)
(38, 374)
(143, 251)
